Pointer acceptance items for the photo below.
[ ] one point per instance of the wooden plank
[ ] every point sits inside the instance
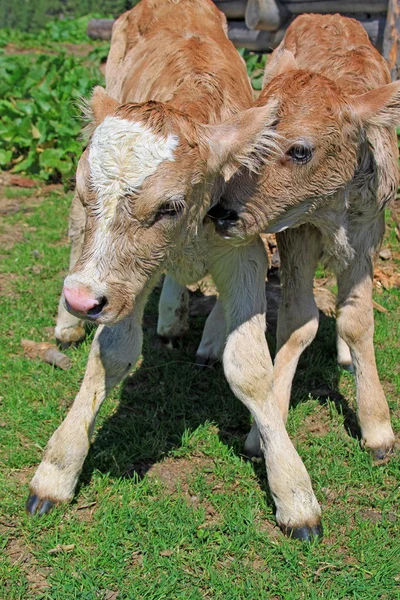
(256, 40)
(367, 6)
(232, 9)
(269, 15)
(100, 29)
(297, 7)
(391, 39)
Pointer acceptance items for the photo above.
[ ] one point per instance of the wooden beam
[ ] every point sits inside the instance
(256, 40)
(391, 39)
(297, 7)
(265, 41)
(268, 15)
(100, 29)
(232, 9)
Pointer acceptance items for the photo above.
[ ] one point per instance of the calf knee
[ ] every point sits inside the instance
(355, 325)
(247, 365)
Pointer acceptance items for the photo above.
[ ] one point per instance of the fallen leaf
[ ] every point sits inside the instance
(60, 548)
(166, 552)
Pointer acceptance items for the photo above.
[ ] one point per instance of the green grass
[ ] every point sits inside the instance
(173, 509)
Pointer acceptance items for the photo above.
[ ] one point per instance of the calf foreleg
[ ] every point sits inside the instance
(355, 324)
(70, 329)
(239, 274)
(113, 353)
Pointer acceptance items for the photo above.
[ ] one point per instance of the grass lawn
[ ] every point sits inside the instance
(167, 507)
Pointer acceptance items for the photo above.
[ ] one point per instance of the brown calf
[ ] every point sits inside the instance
(325, 197)
(155, 163)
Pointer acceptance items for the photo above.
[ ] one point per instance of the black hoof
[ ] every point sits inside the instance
(306, 534)
(35, 505)
(347, 367)
(169, 342)
(382, 455)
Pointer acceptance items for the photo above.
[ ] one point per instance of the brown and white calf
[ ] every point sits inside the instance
(154, 165)
(325, 196)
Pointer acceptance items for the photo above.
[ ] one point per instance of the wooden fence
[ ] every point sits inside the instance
(260, 25)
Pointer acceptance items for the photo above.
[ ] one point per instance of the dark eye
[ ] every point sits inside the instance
(171, 209)
(300, 154)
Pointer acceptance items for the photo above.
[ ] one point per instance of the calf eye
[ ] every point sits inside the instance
(173, 208)
(300, 154)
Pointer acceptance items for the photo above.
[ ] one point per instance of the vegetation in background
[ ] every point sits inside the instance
(39, 94)
(32, 15)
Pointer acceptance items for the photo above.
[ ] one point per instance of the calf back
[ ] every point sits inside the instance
(177, 51)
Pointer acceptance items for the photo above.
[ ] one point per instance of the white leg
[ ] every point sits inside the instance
(239, 274)
(113, 353)
(213, 339)
(355, 325)
(70, 329)
(173, 309)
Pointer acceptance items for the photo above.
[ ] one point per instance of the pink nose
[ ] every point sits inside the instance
(80, 300)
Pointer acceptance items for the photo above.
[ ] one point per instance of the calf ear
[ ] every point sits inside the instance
(248, 139)
(281, 61)
(102, 105)
(379, 107)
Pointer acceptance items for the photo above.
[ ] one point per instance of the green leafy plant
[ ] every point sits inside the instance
(39, 122)
(255, 64)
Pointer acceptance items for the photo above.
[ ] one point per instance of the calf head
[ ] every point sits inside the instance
(321, 132)
(146, 180)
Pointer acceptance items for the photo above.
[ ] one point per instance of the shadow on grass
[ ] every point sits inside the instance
(168, 395)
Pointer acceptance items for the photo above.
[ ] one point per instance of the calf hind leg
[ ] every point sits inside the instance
(173, 311)
(355, 325)
(213, 339)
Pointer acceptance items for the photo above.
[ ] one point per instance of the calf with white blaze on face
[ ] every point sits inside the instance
(324, 196)
(173, 125)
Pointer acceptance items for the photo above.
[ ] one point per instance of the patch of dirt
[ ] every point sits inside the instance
(6, 282)
(318, 423)
(36, 576)
(173, 472)
(82, 49)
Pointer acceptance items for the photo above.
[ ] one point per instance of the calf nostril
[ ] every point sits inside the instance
(96, 310)
(223, 216)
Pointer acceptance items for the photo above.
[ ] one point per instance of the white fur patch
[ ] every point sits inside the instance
(122, 155)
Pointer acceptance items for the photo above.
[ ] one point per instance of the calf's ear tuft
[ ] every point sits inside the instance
(281, 61)
(246, 140)
(102, 105)
(379, 107)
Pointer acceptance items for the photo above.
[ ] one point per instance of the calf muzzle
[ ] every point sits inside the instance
(224, 219)
(82, 303)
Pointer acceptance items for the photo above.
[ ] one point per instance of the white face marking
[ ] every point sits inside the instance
(122, 155)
